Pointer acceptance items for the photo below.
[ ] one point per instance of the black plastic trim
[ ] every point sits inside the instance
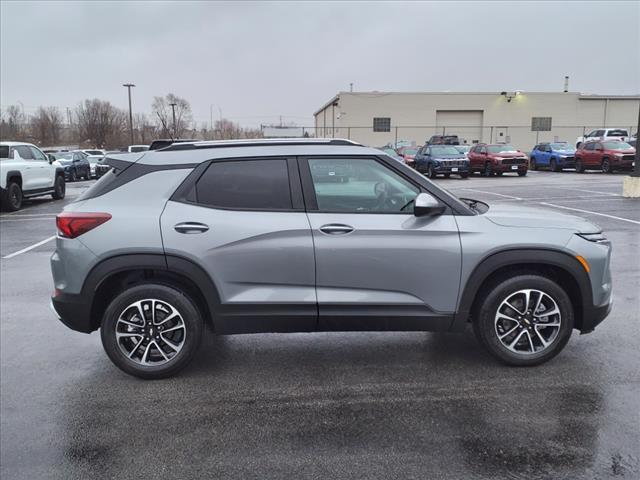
(188, 146)
(512, 257)
(13, 173)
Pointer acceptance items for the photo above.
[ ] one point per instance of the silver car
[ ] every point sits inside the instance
(257, 236)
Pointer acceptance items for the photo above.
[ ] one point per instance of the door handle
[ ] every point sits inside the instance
(336, 229)
(191, 227)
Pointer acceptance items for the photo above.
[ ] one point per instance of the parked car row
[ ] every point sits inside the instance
(605, 155)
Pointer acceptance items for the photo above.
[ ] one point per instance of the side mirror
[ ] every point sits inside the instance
(426, 205)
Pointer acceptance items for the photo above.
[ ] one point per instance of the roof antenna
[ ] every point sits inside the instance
(164, 125)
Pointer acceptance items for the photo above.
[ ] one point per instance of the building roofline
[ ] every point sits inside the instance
(334, 99)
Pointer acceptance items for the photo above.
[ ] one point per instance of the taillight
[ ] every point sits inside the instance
(72, 224)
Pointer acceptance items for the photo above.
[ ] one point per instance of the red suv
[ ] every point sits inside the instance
(498, 159)
(608, 156)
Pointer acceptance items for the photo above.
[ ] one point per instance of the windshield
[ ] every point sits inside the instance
(93, 152)
(502, 148)
(616, 145)
(444, 151)
(561, 146)
(410, 151)
(63, 156)
(63, 162)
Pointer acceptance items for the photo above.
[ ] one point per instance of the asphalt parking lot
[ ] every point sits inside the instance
(325, 405)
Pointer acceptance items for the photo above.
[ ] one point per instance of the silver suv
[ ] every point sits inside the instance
(307, 236)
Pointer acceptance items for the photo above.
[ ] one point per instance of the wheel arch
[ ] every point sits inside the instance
(14, 174)
(114, 274)
(557, 265)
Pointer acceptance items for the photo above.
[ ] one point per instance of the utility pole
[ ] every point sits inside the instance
(351, 87)
(129, 85)
(636, 168)
(173, 110)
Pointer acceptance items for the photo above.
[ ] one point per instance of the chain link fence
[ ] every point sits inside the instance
(520, 136)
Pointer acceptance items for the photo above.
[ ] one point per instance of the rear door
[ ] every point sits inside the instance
(378, 267)
(29, 168)
(243, 222)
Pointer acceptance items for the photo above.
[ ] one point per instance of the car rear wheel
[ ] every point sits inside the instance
(151, 331)
(59, 188)
(488, 170)
(74, 176)
(606, 166)
(524, 320)
(532, 164)
(579, 165)
(12, 197)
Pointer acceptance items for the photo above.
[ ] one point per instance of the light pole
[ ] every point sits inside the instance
(173, 110)
(129, 85)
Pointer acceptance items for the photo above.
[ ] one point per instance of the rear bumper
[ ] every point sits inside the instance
(73, 311)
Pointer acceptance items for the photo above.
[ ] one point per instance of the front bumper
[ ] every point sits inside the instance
(592, 317)
(455, 169)
(506, 168)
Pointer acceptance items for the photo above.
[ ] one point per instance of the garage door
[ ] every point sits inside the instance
(467, 124)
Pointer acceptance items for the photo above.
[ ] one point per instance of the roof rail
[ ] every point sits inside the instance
(259, 142)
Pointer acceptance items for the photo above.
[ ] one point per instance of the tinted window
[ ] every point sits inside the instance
(360, 186)
(246, 184)
(617, 133)
(24, 152)
(598, 133)
(589, 146)
(4, 151)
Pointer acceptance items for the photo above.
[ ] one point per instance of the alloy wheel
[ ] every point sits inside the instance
(528, 322)
(150, 332)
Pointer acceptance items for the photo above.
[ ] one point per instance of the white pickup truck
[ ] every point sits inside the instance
(26, 172)
(604, 134)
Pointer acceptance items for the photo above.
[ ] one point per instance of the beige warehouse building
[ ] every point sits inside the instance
(520, 118)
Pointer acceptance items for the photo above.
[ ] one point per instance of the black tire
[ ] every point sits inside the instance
(484, 318)
(498, 173)
(193, 326)
(532, 164)
(431, 172)
(447, 175)
(522, 173)
(59, 188)
(606, 166)
(74, 176)
(12, 197)
(488, 170)
(553, 165)
(579, 165)
(464, 175)
(578, 145)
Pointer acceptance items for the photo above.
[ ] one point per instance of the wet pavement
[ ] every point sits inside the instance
(325, 405)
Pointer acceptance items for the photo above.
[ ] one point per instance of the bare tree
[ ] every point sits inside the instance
(12, 125)
(225, 129)
(163, 111)
(46, 126)
(100, 124)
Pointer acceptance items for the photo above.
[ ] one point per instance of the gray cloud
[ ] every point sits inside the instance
(256, 61)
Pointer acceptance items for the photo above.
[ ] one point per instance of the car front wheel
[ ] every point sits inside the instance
(606, 166)
(524, 320)
(579, 165)
(151, 331)
(431, 172)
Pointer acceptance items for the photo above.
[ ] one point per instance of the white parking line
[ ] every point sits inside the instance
(592, 213)
(492, 193)
(31, 247)
(590, 191)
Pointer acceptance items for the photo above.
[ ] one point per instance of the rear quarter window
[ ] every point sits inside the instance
(245, 185)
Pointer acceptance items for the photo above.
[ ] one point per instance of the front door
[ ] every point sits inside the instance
(244, 224)
(378, 267)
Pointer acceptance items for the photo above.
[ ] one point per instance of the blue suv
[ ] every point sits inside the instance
(441, 159)
(555, 156)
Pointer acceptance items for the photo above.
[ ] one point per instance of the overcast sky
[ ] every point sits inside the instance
(256, 61)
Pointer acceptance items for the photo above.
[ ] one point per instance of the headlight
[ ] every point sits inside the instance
(594, 237)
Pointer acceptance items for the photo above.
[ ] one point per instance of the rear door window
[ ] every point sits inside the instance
(617, 133)
(246, 185)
